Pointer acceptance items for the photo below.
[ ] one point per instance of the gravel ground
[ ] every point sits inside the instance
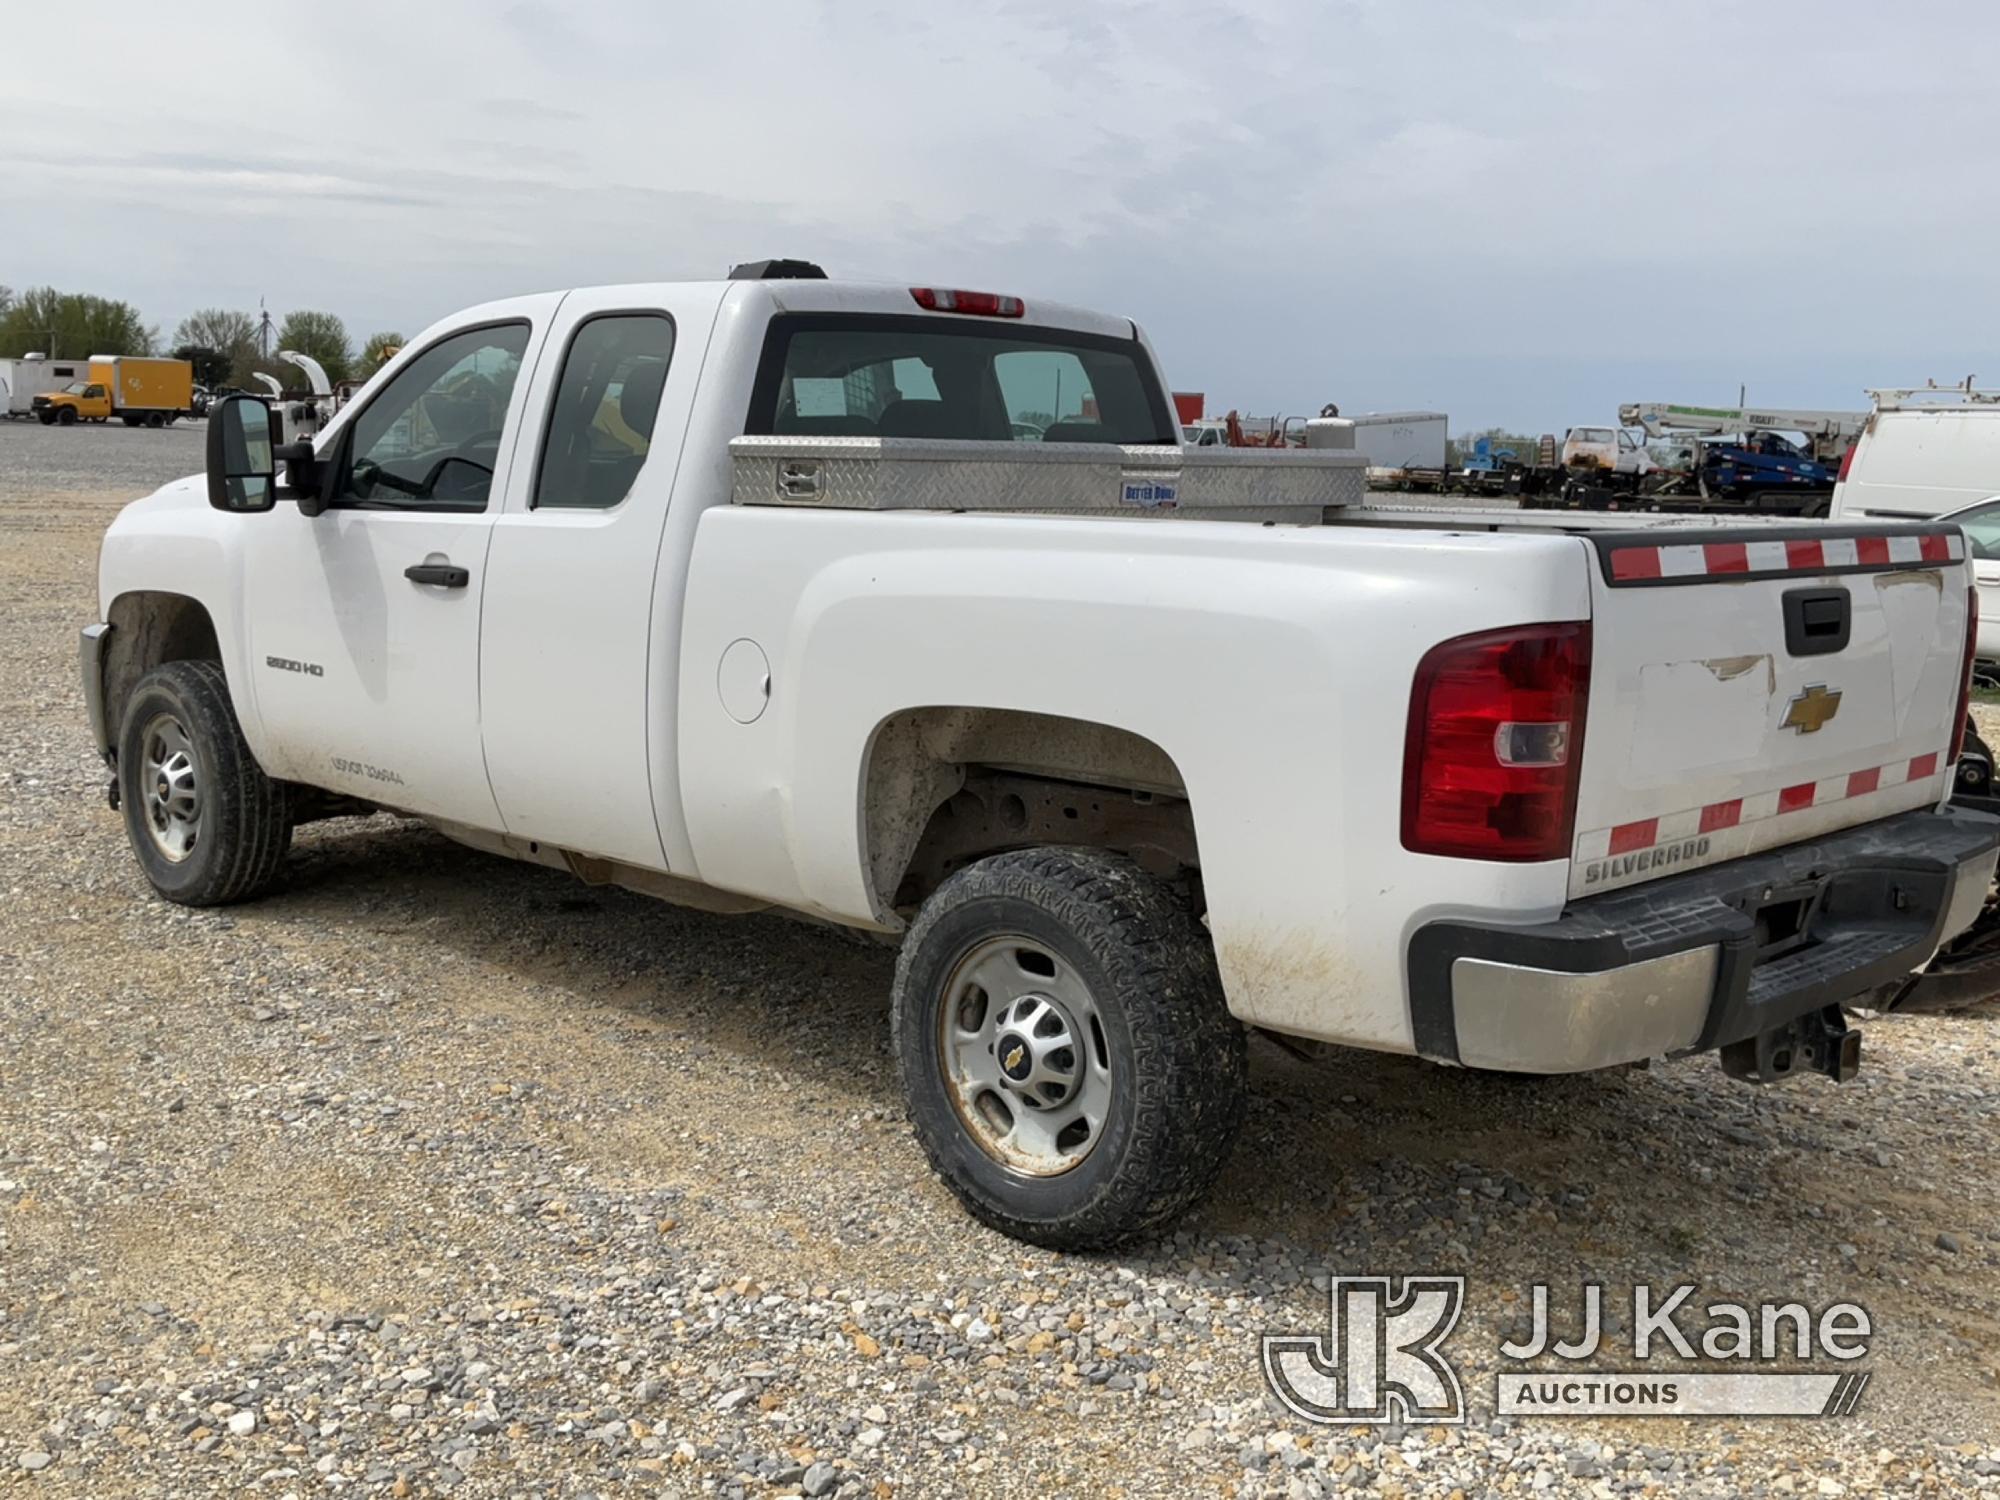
(435, 1173)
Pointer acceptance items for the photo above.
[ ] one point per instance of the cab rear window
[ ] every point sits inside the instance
(859, 376)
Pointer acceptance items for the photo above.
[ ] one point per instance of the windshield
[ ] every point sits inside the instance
(74, 388)
(887, 376)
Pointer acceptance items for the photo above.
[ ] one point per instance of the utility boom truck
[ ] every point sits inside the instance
(744, 594)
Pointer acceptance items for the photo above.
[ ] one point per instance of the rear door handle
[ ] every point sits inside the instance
(443, 575)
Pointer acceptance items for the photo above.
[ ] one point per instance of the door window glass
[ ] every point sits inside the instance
(607, 399)
(1982, 530)
(431, 438)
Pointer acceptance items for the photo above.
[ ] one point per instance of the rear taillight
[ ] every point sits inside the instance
(978, 304)
(1971, 655)
(1847, 460)
(1495, 744)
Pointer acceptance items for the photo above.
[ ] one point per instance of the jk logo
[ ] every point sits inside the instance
(1379, 1360)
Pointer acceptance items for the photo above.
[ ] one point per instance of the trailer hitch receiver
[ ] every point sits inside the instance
(1819, 1041)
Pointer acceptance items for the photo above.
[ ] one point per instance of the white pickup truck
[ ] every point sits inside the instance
(741, 594)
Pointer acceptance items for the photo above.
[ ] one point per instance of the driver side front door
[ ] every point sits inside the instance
(364, 620)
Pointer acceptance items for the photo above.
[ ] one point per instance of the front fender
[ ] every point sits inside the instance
(174, 542)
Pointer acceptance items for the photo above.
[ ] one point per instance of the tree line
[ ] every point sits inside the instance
(220, 342)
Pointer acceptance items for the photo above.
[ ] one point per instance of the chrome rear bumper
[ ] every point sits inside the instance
(1703, 960)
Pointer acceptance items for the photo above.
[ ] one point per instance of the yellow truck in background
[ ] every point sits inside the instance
(136, 390)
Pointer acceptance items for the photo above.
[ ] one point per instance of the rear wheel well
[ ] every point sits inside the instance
(945, 787)
(148, 628)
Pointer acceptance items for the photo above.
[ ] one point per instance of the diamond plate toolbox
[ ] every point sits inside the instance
(1093, 479)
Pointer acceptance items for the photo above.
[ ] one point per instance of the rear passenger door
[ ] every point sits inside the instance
(571, 588)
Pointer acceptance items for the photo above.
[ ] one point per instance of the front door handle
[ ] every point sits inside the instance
(443, 575)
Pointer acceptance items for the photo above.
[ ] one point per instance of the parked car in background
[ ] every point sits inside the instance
(1981, 524)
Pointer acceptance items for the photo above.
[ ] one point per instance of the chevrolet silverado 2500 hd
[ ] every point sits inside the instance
(751, 594)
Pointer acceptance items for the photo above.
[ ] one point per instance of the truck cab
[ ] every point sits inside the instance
(79, 401)
(1608, 450)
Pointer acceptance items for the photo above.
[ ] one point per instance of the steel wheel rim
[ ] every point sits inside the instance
(1023, 1053)
(169, 792)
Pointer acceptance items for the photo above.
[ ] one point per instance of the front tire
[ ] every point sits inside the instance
(1072, 1071)
(208, 826)
(67, 416)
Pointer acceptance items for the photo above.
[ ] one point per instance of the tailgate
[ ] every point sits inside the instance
(1755, 688)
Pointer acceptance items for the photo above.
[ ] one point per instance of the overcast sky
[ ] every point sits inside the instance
(1519, 213)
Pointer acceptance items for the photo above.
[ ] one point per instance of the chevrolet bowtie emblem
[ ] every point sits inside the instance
(1812, 710)
(1012, 1059)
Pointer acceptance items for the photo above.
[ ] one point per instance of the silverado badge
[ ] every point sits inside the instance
(1812, 710)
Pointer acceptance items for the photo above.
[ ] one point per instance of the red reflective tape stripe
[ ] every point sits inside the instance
(1792, 798)
(1872, 550)
(1629, 836)
(1936, 548)
(1725, 557)
(1721, 815)
(1804, 555)
(1635, 562)
(1644, 834)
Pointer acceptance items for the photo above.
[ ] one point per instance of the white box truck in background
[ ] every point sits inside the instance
(21, 380)
(1401, 439)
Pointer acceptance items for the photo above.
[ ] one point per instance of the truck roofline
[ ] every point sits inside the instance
(812, 296)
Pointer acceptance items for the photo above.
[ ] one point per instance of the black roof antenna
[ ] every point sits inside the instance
(776, 270)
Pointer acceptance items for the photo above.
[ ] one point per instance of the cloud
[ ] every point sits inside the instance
(1446, 203)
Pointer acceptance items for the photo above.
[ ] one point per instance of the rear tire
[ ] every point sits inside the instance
(208, 826)
(1100, 993)
(156, 420)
